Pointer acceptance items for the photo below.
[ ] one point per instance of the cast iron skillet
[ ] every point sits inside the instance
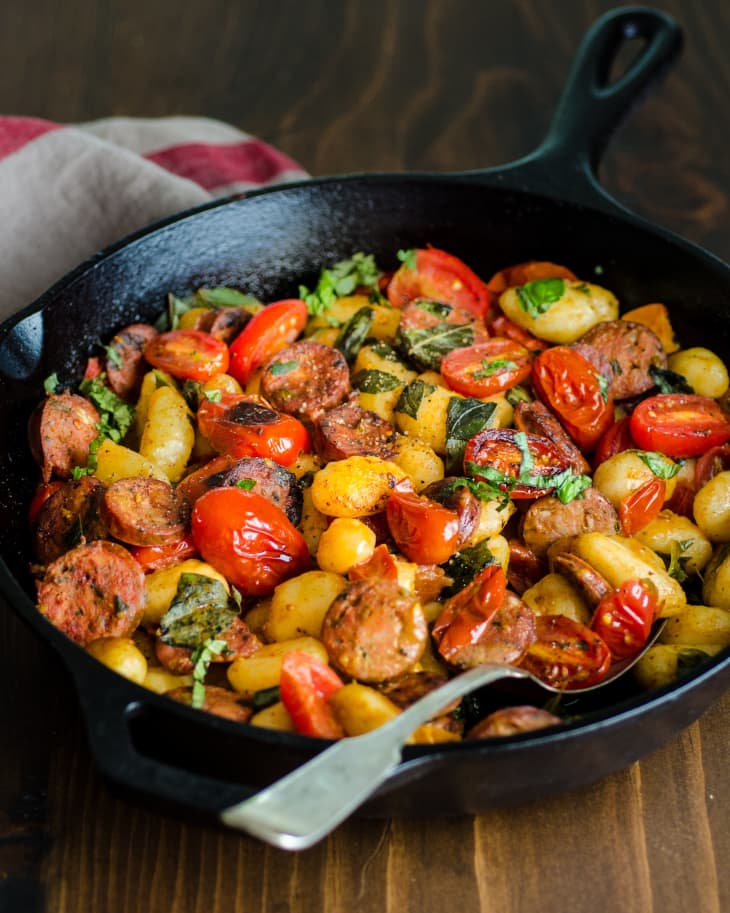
(547, 206)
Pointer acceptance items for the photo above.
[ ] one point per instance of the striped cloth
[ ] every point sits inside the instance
(68, 191)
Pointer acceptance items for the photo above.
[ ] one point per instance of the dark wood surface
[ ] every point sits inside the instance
(364, 86)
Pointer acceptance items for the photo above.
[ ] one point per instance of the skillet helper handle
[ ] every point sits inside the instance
(592, 106)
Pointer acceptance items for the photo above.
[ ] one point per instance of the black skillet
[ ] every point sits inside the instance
(547, 206)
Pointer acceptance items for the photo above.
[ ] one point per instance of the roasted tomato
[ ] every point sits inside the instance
(679, 424)
(188, 354)
(434, 275)
(248, 539)
(245, 426)
(305, 687)
(380, 564)
(615, 440)
(624, 618)
(566, 654)
(424, 530)
(154, 557)
(487, 368)
(573, 389)
(501, 325)
(641, 506)
(267, 332)
(716, 460)
(466, 616)
(42, 493)
(522, 273)
(523, 465)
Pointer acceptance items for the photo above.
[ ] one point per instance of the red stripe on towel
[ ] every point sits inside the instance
(16, 132)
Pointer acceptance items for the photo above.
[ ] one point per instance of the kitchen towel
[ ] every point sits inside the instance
(68, 191)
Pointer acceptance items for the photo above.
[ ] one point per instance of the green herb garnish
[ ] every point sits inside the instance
(537, 296)
(202, 657)
(359, 271)
(661, 466)
(115, 419)
(408, 258)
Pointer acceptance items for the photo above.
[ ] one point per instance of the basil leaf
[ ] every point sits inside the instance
(199, 612)
(354, 333)
(464, 418)
(112, 356)
(265, 697)
(245, 484)
(516, 395)
(661, 466)
(464, 566)
(221, 297)
(176, 307)
(572, 487)
(537, 296)
(676, 566)
(669, 381)
(436, 308)
(409, 402)
(359, 271)
(481, 489)
(426, 347)
(491, 367)
(51, 384)
(115, 419)
(202, 658)
(282, 367)
(383, 350)
(408, 258)
(373, 381)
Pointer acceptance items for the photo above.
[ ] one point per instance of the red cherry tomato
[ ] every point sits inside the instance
(42, 493)
(267, 332)
(641, 506)
(424, 530)
(498, 450)
(380, 564)
(615, 440)
(466, 616)
(487, 368)
(522, 273)
(623, 619)
(439, 276)
(305, 687)
(188, 354)
(500, 325)
(244, 426)
(716, 460)
(248, 539)
(679, 424)
(571, 388)
(154, 557)
(566, 654)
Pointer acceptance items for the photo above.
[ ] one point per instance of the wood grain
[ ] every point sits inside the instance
(440, 85)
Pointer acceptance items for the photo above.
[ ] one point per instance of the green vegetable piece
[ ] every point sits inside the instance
(669, 381)
(426, 347)
(373, 381)
(464, 418)
(282, 367)
(409, 402)
(199, 612)
(408, 258)
(202, 658)
(221, 297)
(658, 464)
(115, 418)
(464, 566)
(354, 333)
(266, 697)
(359, 271)
(245, 484)
(51, 384)
(537, 296)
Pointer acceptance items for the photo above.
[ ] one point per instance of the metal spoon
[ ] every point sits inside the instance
(303, 807)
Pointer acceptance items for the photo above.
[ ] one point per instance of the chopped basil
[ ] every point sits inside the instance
(537, 296)
(584, 288)
(516, 395)
(199, 612)
(246, 484)
(677, 563)
(52, 384)
(265, 697)
(112, 356)
(409, 402)
(571, 487)
(202, 658)
(669, 381)
(359, 271)
(464, 418)
(213, 396)
(427, 346)
(282, 367)
(115, 418)
(372, 381)
(493, 366)
(354, 333)
(221, 297)
(383, 350)
(604, 386)
(464, 566)
(408, 258)
(661, 466)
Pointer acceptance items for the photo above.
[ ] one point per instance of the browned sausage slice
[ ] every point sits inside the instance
(270, 480)
(536, 418)
(410, 687)
(60, 432)
(95, 590)
(631, 349)
(348, 430)
(505, 637)
(71, 514)
(145, 511)
(525, 568)
(218, 701)
(458, 498)
(125, 364)
(240, 642)
(305, 379)
(547, 519)
(224, 323)
(593, 586)
(512, 721)
(374, 630)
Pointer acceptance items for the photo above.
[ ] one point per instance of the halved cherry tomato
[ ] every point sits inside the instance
(188, 354)
(501, 325)
(380, 564)
(623, 619)
(439, 276)
(42, 493)
(571, 388)
(522, 273)
(679, 424)
(154, 557)
(424, 530)
(641, 506)
(615, 440)
(466, 616)
(499, 450)
(267, 332)
(566, 654)
(93, 367)
(305, 687)
(716, 460)
(244, 426)
(422, 315)
(487, 368)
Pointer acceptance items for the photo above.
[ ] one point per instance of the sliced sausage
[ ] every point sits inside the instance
(347, 430)
(374, 630)
(125, 364)
(512, 721)
(224, 323)
(631, 349)
(218, 701)
(504, 638)
(536, 418)
(412, 686)
(305, 379)
(548, 519)
(467, 506)
(592, 585)
(95, 590)
(525, 568)
(240, 642)
(70, 515)
(60, 432)
(145, 511)
(271, 480)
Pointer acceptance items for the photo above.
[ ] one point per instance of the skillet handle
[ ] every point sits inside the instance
(565, 165)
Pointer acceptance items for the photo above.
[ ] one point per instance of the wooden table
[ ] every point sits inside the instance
(362, 86)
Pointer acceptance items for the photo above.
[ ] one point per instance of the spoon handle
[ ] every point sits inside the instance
(306, 805)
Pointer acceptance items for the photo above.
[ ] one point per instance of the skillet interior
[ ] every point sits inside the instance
(266, 245)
